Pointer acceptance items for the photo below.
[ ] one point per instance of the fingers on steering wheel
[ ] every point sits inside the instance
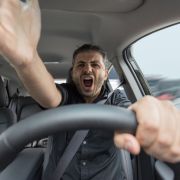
(127, 142)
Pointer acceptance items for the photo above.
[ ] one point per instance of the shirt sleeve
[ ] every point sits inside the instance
(64, 92)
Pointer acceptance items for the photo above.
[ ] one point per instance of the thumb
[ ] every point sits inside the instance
(127, 142)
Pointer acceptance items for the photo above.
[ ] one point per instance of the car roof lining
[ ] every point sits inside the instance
(66, 28)
(92, 5)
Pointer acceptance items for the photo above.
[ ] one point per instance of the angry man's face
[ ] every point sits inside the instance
(89, 74)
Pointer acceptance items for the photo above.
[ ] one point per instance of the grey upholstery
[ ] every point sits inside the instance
(7, 117)
(126, 164)
(27, 107)
(4, 100)
(24, 106)
(26, 166)
(12, 88)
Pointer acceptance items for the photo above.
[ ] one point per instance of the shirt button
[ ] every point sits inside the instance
(84, 142)
(84, 163)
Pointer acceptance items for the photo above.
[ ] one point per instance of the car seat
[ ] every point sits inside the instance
(28, 164)
(7, 116)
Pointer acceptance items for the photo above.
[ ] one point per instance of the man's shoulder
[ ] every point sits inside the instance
(120, 98)
(65, 87)
(69, 93)
(66, 91)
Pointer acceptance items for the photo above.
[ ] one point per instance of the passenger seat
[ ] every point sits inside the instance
(22, 105)
(25, 106)
(7, 116)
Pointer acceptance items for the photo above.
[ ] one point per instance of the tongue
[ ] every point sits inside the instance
(88, 83)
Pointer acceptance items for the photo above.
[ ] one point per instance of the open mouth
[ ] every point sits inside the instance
(88, 81)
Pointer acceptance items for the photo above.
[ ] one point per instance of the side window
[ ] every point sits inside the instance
(158, 56)
(114, 80)
(59, 81)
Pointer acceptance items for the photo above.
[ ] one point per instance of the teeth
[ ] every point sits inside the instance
(87, 78)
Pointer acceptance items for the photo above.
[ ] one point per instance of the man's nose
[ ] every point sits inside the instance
(87, 68)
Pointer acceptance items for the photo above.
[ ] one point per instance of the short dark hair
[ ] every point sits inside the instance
(89, 47)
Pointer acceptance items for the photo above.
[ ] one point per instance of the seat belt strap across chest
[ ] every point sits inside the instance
(69, 153)
(72, 148)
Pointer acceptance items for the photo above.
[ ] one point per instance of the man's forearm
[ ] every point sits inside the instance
(39, 83)
(20, 32)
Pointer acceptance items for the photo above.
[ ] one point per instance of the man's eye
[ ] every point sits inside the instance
(80, 65)
(95, 65)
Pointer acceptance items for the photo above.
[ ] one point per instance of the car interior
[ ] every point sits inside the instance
(66, 25)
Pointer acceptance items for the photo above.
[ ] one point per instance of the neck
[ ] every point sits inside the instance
(89, 99)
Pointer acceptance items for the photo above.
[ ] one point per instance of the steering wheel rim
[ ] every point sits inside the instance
(71, 117)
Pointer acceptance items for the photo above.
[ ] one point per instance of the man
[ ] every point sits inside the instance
(97, 157)
(18, 44)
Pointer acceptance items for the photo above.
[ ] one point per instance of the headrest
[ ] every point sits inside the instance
(4, 100)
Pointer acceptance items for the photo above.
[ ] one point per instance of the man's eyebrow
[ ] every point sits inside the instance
(84, 61)
(94, 61)
(81, 61)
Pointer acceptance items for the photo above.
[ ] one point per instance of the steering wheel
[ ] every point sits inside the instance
(71, 117)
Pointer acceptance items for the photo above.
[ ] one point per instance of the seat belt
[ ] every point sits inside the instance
(69, 153)
(72, 148)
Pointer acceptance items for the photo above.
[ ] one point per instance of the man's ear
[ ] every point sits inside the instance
(106, 74)
(71, 71)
